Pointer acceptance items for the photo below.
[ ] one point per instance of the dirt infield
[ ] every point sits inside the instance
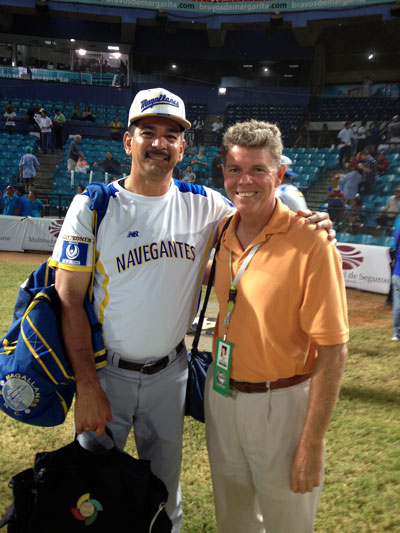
(24, 257)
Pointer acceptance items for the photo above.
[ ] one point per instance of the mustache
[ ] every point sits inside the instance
(162, 153)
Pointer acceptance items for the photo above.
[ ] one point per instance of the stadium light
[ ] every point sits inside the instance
(116, 48)
(81, 52)
(371, 56)
(222, 90)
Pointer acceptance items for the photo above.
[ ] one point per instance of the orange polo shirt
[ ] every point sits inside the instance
(291, 296)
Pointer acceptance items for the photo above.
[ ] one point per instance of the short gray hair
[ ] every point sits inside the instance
(78, 137)
(254, 133)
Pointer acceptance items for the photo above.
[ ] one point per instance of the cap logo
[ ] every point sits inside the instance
(162, 99)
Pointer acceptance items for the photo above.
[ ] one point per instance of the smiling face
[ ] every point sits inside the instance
(251, 178)
(156, 146)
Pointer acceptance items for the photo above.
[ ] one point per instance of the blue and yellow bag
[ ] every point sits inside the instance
(37, 384)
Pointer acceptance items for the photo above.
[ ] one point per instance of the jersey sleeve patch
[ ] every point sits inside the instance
(74, 253)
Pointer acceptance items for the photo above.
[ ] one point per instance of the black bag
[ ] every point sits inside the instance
(198, 362)
(71, 488)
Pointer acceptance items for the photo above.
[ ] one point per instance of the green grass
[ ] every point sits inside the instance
(362, 481)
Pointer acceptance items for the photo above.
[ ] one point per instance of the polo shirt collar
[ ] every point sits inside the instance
(278, 223)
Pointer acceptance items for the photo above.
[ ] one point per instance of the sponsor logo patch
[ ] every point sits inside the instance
(74, 253)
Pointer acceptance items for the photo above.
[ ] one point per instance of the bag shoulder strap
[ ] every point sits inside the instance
(99, 195)
(209, 287)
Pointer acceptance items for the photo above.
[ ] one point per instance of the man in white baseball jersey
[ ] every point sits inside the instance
(288, 193)
(151, 250)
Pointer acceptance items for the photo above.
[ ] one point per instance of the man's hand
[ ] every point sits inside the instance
(306, 471)
(321, 220)
(92, 408)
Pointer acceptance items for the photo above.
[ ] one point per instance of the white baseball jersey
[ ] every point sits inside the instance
(151, 255)
(291, 196)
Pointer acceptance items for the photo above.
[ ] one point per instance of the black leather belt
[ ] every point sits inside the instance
(149, 368)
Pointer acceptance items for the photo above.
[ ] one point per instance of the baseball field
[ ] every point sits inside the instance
(362, 481)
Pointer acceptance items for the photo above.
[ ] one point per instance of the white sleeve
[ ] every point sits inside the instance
(74, 246)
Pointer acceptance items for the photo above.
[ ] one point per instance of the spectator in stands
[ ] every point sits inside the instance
(373, 135)
(176, 172)
(356, 216)
(303, 136)
(351, 182)
(116, 129)
(216, 171)
(82, 165)
(324, 138)
(76, 113)
(366, 87)
(345, 136)
(367, 169)
(354, 139)
(37, 207)
(362, 136)
(216, 130)
(25, 203)
(189, 176)
(29, 168)
(382, 163)
(31, 113)
(391, 210)
(191, 148)
(80, 189)
(11, 203)
(354, 162)
(73, 153)
(393, 131)
(87, 114)
(46, 127)
(10, 117)
(111, 165)
(58, 122)
(199, 164)
(335, 200)
(198, 125)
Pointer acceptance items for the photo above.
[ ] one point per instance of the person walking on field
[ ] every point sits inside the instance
(29, 168)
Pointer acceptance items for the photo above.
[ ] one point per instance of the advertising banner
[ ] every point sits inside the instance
(233, 7)
(366, 267)
(12, 231)
(41, 234)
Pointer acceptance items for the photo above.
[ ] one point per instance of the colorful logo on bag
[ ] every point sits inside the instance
(19, 393)
(351, 256)
(86, 509)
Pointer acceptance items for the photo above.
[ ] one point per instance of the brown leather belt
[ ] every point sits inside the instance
(149, 368)
(264, 386)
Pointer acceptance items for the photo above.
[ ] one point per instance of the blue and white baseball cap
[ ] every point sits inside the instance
(288, 162)
(158, 103)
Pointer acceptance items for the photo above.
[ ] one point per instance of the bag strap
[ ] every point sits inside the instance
(99, 196)
(208, 290)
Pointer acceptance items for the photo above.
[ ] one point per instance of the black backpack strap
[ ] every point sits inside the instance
(208, 290)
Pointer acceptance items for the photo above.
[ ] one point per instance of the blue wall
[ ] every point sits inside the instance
(113, 96)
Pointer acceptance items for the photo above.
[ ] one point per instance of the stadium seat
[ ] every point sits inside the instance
(343, 237)
(363, 238)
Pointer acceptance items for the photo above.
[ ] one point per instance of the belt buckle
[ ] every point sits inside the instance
(148, 368)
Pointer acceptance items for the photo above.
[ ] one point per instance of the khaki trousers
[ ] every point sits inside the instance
(251, 441)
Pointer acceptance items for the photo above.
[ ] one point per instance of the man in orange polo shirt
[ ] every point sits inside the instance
(283, 317)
